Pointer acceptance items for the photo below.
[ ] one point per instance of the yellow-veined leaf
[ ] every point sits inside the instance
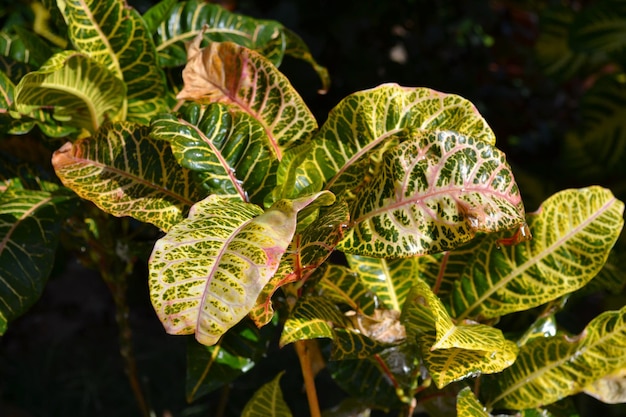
(126, 173)
(267, 401)
(550, 368)
(82, 92)
(573, 232)
(116, 36)
(467, 405)
(227, 72)
(207, 272)
(432, 194)
(453, 351)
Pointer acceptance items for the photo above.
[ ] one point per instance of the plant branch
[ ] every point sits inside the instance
(302, 349)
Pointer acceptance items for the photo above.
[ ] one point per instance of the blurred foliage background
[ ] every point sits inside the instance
(554, 97)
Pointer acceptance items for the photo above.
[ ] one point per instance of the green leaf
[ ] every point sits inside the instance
(343, 286)
(553, 48)
(548, 369)
(207, 272)
(157, 14)
(125, 173)
(30, 222)
(116, 36)
(313, 317)
(82, 92)
(596, 148)
(227, 148)
(573, 232)
(22, 51)
(189, 19)
(467, 405)
(450, 351)
(389, 279)
(348, 344)
(267, 401)
(432, 194)
(601, 28)
(233, 74)
(363, 125)
(211, 367)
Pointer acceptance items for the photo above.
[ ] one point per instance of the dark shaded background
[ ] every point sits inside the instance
(62, 358)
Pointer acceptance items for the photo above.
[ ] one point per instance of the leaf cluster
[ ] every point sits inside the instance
(177, 126)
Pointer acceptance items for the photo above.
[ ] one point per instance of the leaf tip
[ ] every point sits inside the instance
(63, 156)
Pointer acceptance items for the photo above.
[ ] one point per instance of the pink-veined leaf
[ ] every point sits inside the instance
(432, 194)
(207, 272)
(227, 72)
(126, 173)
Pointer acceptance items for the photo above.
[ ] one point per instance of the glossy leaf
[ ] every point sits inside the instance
(82, 92)
(207, 272)
(211, 367)
(389, 279)
(432, 194)
(226, 72)
(30, 222)
(116, 36)
(125, 173)
(363, 125)
(548, 369)
(189, 19)
(267, 401)
(467, 405)
(157, 14)
(452, 351)
(22, 51)
(573, 233)
(348, 344)
(308, 250)
(343, 286)
(313, 317)
(227, 148)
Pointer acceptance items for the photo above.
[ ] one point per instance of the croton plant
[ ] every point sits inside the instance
(389, 241)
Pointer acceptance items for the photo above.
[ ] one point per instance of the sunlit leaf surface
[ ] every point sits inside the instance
(30, 222)
(432, 194)
(573, 233)
(116, 36)
(82, 92)
(226, 72)
(207, 272)
(267, 401)
(610, 389)
(126, 173)
(453, 351)
(467, 405)
(313, 317)
(548, 369)
(227, 149)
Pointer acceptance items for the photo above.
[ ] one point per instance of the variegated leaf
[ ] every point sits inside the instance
(189, 19)
(267, 401)
(207, 272)
(22, 51)
(349, 344)
(362, 126)
(116, 36)
(548, 369)
(313, 317)
(453, 351)
(432, 194)
(82, 92)
(30, 222)
(308, 250)
(343, 286)
(226, 72)
(125, 173)
(390, 280)
(227, 149)
(573, 232)
(467, 405)
(610, 389)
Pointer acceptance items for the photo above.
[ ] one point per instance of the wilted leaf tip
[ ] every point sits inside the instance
(63, 156)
